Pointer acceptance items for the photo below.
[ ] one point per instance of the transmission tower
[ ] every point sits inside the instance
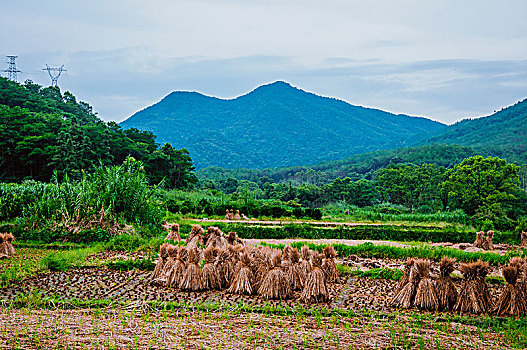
(54, 76)
(11, 71)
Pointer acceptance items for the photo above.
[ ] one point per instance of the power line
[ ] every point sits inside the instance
(11, 70)
(54, 77)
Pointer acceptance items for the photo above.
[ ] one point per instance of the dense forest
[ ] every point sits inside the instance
(45, 132)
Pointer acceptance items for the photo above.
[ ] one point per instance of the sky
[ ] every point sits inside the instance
(444, 60)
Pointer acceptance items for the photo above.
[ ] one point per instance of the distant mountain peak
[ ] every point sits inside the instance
(275, 125)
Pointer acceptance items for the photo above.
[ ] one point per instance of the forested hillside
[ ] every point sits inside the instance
(275, 125)
(502, 134)
(43, 131)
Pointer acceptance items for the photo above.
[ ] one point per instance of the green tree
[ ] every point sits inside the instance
(484, 185)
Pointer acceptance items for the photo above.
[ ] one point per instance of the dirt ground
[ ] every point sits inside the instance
(175, 329)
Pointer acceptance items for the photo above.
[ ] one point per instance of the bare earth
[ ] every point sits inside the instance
(176, 329)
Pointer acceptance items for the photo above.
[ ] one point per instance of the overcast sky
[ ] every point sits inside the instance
(445, 60)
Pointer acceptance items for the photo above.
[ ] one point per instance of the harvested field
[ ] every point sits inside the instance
(188, 329)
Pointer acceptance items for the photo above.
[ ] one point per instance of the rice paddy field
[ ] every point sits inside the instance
(100, 296)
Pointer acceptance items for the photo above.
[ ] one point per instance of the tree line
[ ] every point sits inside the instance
(46, 133)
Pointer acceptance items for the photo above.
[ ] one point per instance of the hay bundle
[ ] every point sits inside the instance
(480, 237)
(195, 236)
(242, 282)
(425, 296)
(237, 215)
(172, 231)
(215, 238)
(274, 285)
(405, 297)
(488, 245)
(446, 291)
(176, 274)
(521, 265)
(226, 214)
(4, 253)
(9, 238)
(170, 262)
(511, 301)
(296, 274)
(523, 239)
(210, 275)
(231, 215)
(329, 267)
(224, 267)
(160, 264)
(473, 297)
(233, 239)
(305, 263)
(406, 276)
(262, 264)
(192, 279)
(315, 289)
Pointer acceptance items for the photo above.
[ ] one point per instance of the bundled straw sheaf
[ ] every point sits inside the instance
(315, 288)
(446, 291)
(329, 267)
(210, 275)
(176, 274)
(192, 279)
(488, 245)
(406, 276)
(474, 296)
(425, 296)
(405, 297)
(511, 302)
(480, 238)
(275, 285)
(241, 283)
(160, 264)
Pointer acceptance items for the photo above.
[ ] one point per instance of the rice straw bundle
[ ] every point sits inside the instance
(405, 297)
(163, 255)
(192, 280)
(511, 301)
(9, 238)
(170, 262)
(296, 273)
(224, 268)
(4, 254)
(231, 214)
(210, 275)
(488, 245)
(274, 285)
(173, 232)
(237, 215)
(233, 239)
(523, 239)
(195, 236)
(315, 289)
(473, 297)
(263, 264)
(425, 296)
(305, 263)
(329, 267)
(226, 214)
(176, 274)
(242, 282)
(480, 237)
(446, 291)
(406, 276)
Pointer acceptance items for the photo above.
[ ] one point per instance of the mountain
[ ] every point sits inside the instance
(502, 134)
(275, 125)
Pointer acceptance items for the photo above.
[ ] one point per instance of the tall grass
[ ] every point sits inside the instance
(121, 192)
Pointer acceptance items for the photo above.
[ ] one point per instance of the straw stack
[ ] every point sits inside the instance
(446, 291)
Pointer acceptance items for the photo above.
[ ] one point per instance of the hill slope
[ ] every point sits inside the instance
(502, 134)
(275, 125)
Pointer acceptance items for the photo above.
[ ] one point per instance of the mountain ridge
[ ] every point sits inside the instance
(275, 124)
